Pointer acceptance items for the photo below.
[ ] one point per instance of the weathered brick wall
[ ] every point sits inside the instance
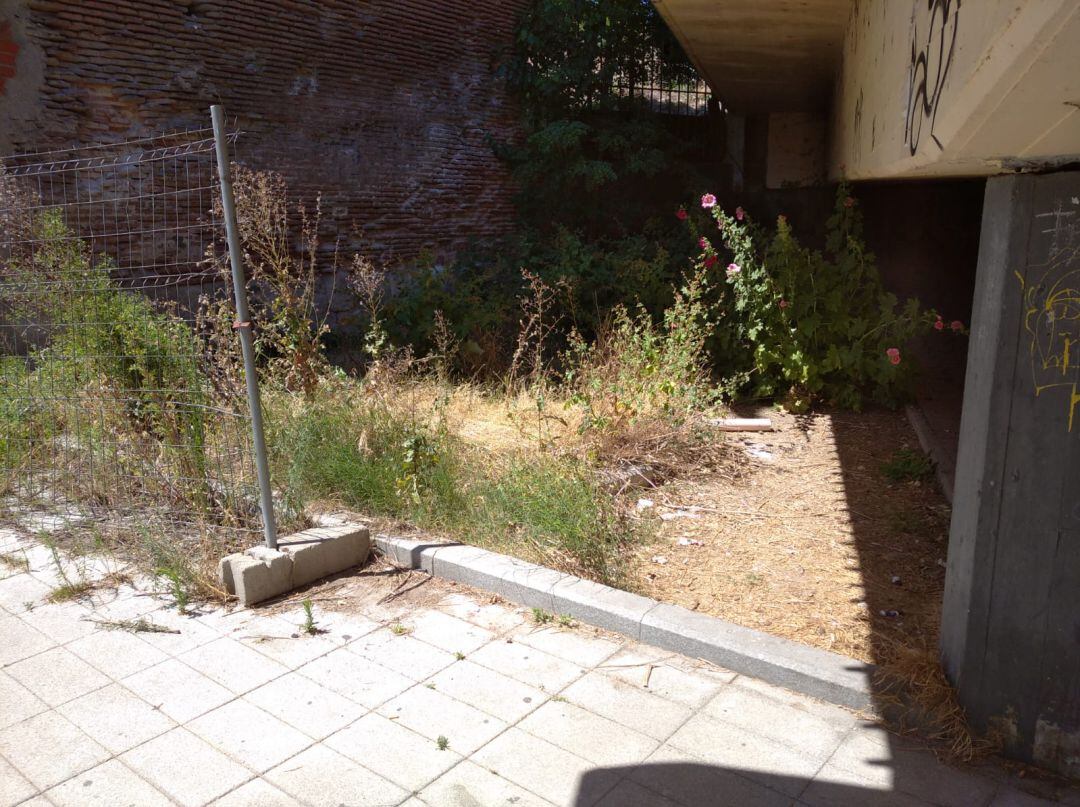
(383, 105)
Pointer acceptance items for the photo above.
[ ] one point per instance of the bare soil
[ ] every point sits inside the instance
(808, 540)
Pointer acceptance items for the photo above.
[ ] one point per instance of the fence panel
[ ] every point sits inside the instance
(122, 400)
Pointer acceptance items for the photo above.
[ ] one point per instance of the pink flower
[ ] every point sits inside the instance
(740, 214)
(783, 303)
(708, 200)
(732, 269)
(703, 242)
(782, 218)
(849, 202)
(939, 325)
(894, 355)
(681, 214)
(711, 260)
(957, 325)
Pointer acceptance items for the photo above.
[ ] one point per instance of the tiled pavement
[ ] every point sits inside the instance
(242, 708)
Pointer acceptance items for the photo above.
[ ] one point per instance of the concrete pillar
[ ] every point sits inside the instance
(1011, 614)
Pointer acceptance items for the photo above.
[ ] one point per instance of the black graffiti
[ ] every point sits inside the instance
(929, 69)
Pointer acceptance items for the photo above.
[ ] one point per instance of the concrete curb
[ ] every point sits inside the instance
(818, 673)
(928, 439)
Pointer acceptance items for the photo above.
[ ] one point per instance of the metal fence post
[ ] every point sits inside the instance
(243, 324)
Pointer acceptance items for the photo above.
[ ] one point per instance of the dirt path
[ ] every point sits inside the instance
(811, 542)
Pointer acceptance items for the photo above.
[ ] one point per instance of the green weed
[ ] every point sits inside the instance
(442, 743)
(907, 465)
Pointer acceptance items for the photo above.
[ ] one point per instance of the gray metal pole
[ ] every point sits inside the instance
(243, 324)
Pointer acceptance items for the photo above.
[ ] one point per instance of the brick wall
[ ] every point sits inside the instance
(383, 105)
(9, 50)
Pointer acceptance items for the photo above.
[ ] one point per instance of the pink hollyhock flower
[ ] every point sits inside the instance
(957, 325)
(703, 242)
(939, 325)
(740, 214)
(849, 202)
(708, 200)
(784, 304)
(733, 269)
(681, 214)
(711, 260)
(894, 355)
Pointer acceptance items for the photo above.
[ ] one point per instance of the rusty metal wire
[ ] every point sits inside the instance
(120, 405)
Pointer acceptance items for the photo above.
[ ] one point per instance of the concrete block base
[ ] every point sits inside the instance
(260, 573)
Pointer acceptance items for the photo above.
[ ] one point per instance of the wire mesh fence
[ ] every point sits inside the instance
(122, 401)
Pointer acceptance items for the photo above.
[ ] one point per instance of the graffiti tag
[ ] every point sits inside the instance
(929, 68)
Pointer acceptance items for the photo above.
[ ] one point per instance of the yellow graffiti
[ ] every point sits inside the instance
(1052, 311)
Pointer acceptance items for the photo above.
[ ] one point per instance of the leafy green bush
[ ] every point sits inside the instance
(818, 325)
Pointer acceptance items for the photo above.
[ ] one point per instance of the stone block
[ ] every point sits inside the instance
(260, 573)
(323, 551)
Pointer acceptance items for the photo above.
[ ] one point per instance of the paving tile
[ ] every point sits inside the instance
(257, 793)
(495, 618)
(527, 664)
(110, 784)
(116, 718)
(340, 628)
(545, 769)
(1011, 797)
(393, 751)
(794, 724)
(116, 653)
(752, 755)
(469, 785)
(48, 748)
(852, 791)
(575, 646)
(20, 641)
(630, 794)
(435, 714)
(322, 777)
(688, 781)
(588, 735)
(17, 591)
(448, 632)
(192, 632)
(56, 676)
(17, 702)
(357, 678)
(231, 664)
(314, 709)
(61, 622)
(626, 704)
(127, 602)
(14, 788)
(639, 664)
(177, 690)
(248, 734)
(226, 621)
(488, 690)
(404, 654)
(877, 758)
(185, 767)
(282, 642)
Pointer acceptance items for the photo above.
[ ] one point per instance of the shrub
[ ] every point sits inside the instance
(819, 325)
(639, 370)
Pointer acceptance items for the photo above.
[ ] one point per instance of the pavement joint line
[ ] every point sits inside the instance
(807, 670)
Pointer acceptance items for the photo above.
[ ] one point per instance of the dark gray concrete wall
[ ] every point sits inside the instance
(1011, 621)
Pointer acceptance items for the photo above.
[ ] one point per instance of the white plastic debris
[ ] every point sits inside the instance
(659, 559)
(645, 504)
(690, 542)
